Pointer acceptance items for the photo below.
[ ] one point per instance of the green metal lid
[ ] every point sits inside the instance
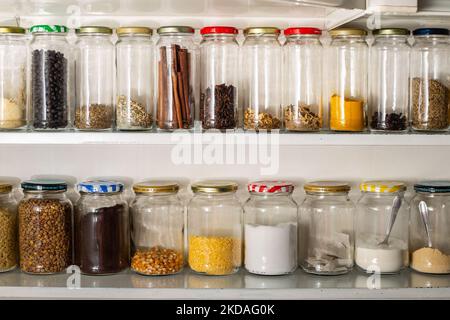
(10, 29)
(48, 28)
(93, 29)
(391, 32)
(175, 29)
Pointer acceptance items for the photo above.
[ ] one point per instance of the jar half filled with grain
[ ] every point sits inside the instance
(9, 250)
(215, 228)
(45, 227)
(157, 234)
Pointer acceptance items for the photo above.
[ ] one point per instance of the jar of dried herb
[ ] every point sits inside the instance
(9, 249)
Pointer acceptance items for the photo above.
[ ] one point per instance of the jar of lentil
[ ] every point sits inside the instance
(177, 78)
(102, 230)
(270, 228)
(215, 228)
(9, 251)
(13, 76)
(429, 241)
(347, 84)
(157, 229)
(51, 62)
(382, 227)
(45, 227)
(430, 79)
(95, 79)
(134, 50)
(326, 240)
(302, 53)
(219, 56)
(261, 58)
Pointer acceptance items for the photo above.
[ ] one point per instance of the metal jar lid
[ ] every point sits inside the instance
(156, 187)
(100, 186)
(49, 28)
(391, 32)
(8, 29)
(433, 186)
(214, 186)
(431, 32)
(175, 29)
(348, 32)
(94, 29)
(327, 187)
(270, 187)
(261, 31)
(5, 187)
(382, 186)
(134, 30)
(39, 185)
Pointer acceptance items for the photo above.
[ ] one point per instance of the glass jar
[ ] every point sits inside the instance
(101, 228)
(50, 77)
(430, 79)
(134, 50)
(429, 241)
(382, 227)
(302, 53)
(45, 227)
(270, 229)
(176, 56)
(13, 77)
(9, 251)
(215, 228)
(347, 84)
(326, 237)
(219, 56)
(261, 62)
(157, 229)
(95, 79)
(389, 80)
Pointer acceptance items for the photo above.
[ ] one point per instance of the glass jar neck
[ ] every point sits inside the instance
(257, 195)
(219, 36)
(176, 35)
(40, 36)
(328, 195)
(433, 194)
(135, 36)
(156, 195)
(59, 195)
(349, 39)
(393, 39)
(432, 39)
(230, 194)
(96, 195)
(384, 194)
(306, 38)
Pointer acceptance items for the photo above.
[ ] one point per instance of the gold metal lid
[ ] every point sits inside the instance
(214, 186)
(10, 29)
(391, 32)
(134, 30)
(5, 187)
(175, 29)
(156, 187)
(262, 30)
(348, 32)
(327, 187)
(94, 29)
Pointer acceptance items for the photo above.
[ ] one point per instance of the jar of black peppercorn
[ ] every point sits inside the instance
(102, 231)
(50, 82)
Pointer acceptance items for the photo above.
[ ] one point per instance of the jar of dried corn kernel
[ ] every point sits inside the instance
(215, 228)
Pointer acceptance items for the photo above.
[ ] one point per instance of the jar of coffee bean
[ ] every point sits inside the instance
(50, 65)
(45, 227)
(8, 228)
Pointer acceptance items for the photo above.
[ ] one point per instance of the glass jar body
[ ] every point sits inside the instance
(45, 232)
(302, 105)
(102, 233)
(157, 234)
(215, 233)
(270, 229)
(9, 250)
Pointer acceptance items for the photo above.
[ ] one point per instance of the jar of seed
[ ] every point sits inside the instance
(45, 227)
(9, 251)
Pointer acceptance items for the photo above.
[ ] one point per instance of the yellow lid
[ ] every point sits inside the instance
(11, 29)
(5, 187)
(156, 187)
(261, 30)
(214, 186)
(348, 32)
(327, 187)
(134, 30)
(382, 186)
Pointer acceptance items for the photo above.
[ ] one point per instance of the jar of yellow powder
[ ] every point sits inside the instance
(215, 228)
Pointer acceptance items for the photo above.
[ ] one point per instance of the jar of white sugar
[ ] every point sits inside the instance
(270, 228)
(382, 227)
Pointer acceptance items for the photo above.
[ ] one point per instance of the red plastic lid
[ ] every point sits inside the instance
(302, 30)
(218, 29)
(270, 187)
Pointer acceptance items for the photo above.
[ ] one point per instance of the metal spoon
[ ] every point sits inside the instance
(394, 211)
(423, 208)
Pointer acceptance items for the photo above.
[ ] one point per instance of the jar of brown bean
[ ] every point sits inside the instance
(8, 229)
(45, 227)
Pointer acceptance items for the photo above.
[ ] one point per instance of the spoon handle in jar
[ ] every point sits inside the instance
(423, 209)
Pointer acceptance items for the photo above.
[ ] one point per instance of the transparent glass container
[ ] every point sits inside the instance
(219, 56)
(270, 228)
(157, 229)
(382, 210)
(429, 241)
(302, 63)
(389, 80)
(45, 227)
(51, 64)
(430, 79)
(215, 228)
(101, 228)
(135, 78)
(9, 248)
(261, 77)
(95, 75)
(326, 236)
(347, 58)
(177, 77)
(13, 78)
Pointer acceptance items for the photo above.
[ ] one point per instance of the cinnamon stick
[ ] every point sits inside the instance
(185, 85)
(188, 86)
(175, 88)
(162, 85)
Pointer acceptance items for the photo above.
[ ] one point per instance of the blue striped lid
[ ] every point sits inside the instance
(433, 186)
(431, 32)
(100, 186)
(44, 185)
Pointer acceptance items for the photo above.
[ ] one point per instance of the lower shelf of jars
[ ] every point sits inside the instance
(242, 285)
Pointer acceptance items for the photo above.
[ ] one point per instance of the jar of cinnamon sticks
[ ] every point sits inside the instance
(176, 78)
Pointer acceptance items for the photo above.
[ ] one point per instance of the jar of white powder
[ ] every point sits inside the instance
(270, 228)
(382, 227)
